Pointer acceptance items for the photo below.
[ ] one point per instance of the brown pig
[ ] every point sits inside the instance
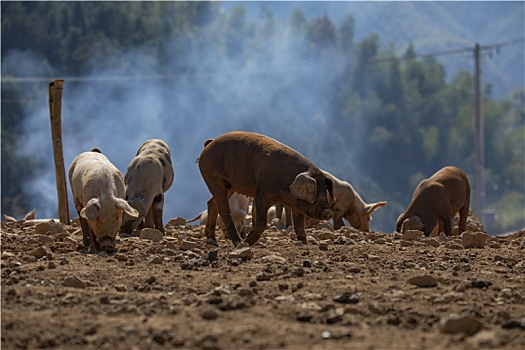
(267, 170)
(435, 201)
(98, 192)
(148, 177)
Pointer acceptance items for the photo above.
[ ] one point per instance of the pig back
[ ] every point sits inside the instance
(249, 160)
(455, 185)
(91, 175)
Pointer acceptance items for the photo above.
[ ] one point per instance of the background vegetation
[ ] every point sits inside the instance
(380, 120)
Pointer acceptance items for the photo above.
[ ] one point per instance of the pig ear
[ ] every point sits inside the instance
(304, 187)
(91, 210)
(123, 205)
(369, 208)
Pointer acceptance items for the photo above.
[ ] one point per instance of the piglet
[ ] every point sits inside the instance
(98, 192)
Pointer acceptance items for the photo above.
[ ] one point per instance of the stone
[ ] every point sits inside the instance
(453, 245)
(187, 245)
(347, 298)
(50, 226)
(151, 234)
(75, 282)
(430, 241)
(460, 324)
(442, 237)
(121, 257)
(242, 253)
(423, 281)
(155, 260)
(120, 288)
(274, 259)
(412, 235)
(177, 222)
(42, 251)
(325, 235)
(485, 339)
(209, 313)
(474, 239)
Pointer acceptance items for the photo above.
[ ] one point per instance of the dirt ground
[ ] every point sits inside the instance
(346, 289)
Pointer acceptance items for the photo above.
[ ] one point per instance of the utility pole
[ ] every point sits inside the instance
(479, 140)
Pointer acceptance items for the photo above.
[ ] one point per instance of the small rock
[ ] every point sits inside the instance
(152, 234)
(242, 245)
(50, 226)
(51, 265)
(442, 237)
(453, 245)
(209, 313)
(74, 281)
(374, 258)
(430, 241)
(42, 251)
(474, 239)
(460, 324)
(213, 254)
(424, 281)
(323, 246)
(325, 235)
(120, 288)
(243, 253)
(155, 260)
(274, 259)
(347, 298)
(187, 245)
(412, 235)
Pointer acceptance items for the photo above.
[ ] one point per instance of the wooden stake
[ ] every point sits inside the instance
(55, 111)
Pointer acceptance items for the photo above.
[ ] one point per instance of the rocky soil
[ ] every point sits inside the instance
(344, 290)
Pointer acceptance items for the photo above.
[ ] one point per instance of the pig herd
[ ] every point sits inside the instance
(236, 166)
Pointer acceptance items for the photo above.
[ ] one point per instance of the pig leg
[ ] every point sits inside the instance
(338, 221)
(261, 213)
(149, 218)
(298, 225)
(463, 214)
(447, 225)
(86, 231)
(209, 230)
(288, 216)
(157, 206)
(226, 216)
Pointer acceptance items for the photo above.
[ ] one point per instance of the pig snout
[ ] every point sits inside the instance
(327, 214)
(107, 244)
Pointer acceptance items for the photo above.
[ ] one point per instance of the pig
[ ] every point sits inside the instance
(239, 207)
(98, 193)
(350, 206)
(149, 175)
(435, 202)
(267, 170)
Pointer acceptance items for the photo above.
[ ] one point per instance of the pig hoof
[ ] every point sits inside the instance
(211, 241)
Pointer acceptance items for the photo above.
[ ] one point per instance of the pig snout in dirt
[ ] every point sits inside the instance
(149, 175)
(435, 202)
(349, 205)
(260, 167)
(98, 194)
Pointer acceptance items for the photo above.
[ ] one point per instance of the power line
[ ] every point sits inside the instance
(202, 75)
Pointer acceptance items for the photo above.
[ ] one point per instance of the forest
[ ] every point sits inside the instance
(187, 71)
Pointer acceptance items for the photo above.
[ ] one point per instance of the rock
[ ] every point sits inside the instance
(243, 253)
(75, 282)
(443, 237)
(323, 246)
(460, 324)
(324, 225)
(187, 245)
(151, 234)
(209, 313)
(155, 260)
(347, 298)
(374, 257)
(423, 281)
(51, 265)
(277, 223)
(48, 227)
(412, 235)
(474, 239)
(430, 241)
(325, 235)
(453, 245)
(120, 288)
(42, 251)
(274, 259)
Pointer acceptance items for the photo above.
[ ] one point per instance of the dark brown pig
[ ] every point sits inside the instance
(270, 172)
(436, 200)
(98, 193)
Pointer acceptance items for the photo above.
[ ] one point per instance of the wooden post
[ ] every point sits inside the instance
(55, 111)
(479, 140)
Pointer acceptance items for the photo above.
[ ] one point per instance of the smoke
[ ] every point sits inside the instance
(192, 95)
